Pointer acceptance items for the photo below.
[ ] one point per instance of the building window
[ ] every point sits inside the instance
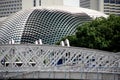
(117, 1)
(106, 1)
(112, 1)
(106, 11)
(39, 2)
(34, 3)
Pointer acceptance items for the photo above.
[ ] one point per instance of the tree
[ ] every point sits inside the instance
(101, 33)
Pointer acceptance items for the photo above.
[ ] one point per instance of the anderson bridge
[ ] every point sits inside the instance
(26, 61)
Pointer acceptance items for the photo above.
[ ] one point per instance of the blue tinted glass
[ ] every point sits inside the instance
(112, 1)
(106, 1)
(117, 1)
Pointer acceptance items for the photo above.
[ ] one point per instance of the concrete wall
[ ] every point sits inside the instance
(51, 2)
(60, 75)
(101, 5)
(94, 4)
(26, 4)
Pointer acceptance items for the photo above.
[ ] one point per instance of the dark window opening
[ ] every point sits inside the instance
(34, 3)
(39, 2)
(106, 1)
(112, 1)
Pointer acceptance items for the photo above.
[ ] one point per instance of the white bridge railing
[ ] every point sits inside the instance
(18, 58)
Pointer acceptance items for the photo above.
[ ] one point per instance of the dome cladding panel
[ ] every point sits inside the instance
(13, 27)
(50, 25)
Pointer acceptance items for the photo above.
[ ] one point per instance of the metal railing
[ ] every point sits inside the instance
(28, 57)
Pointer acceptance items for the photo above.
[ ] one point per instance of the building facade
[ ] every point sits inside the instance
(7, 7)
(106, 6)
(47, 23)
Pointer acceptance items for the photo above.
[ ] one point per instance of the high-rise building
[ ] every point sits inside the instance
(8, 7)
(106, 6)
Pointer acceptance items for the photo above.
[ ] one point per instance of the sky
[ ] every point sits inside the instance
(71, 2)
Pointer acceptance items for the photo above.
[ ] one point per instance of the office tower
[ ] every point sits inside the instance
(8, 7)
(106, 6)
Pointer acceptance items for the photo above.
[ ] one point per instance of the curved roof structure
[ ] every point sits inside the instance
(47, 23)
(74, 10)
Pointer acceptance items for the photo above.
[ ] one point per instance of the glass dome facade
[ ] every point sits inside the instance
(47, 24)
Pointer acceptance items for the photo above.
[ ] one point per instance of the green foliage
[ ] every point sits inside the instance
(101, 33)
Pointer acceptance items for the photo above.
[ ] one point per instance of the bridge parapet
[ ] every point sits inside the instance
(18, 58)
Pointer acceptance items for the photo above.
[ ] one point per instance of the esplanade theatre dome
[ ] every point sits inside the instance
(47, 23)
